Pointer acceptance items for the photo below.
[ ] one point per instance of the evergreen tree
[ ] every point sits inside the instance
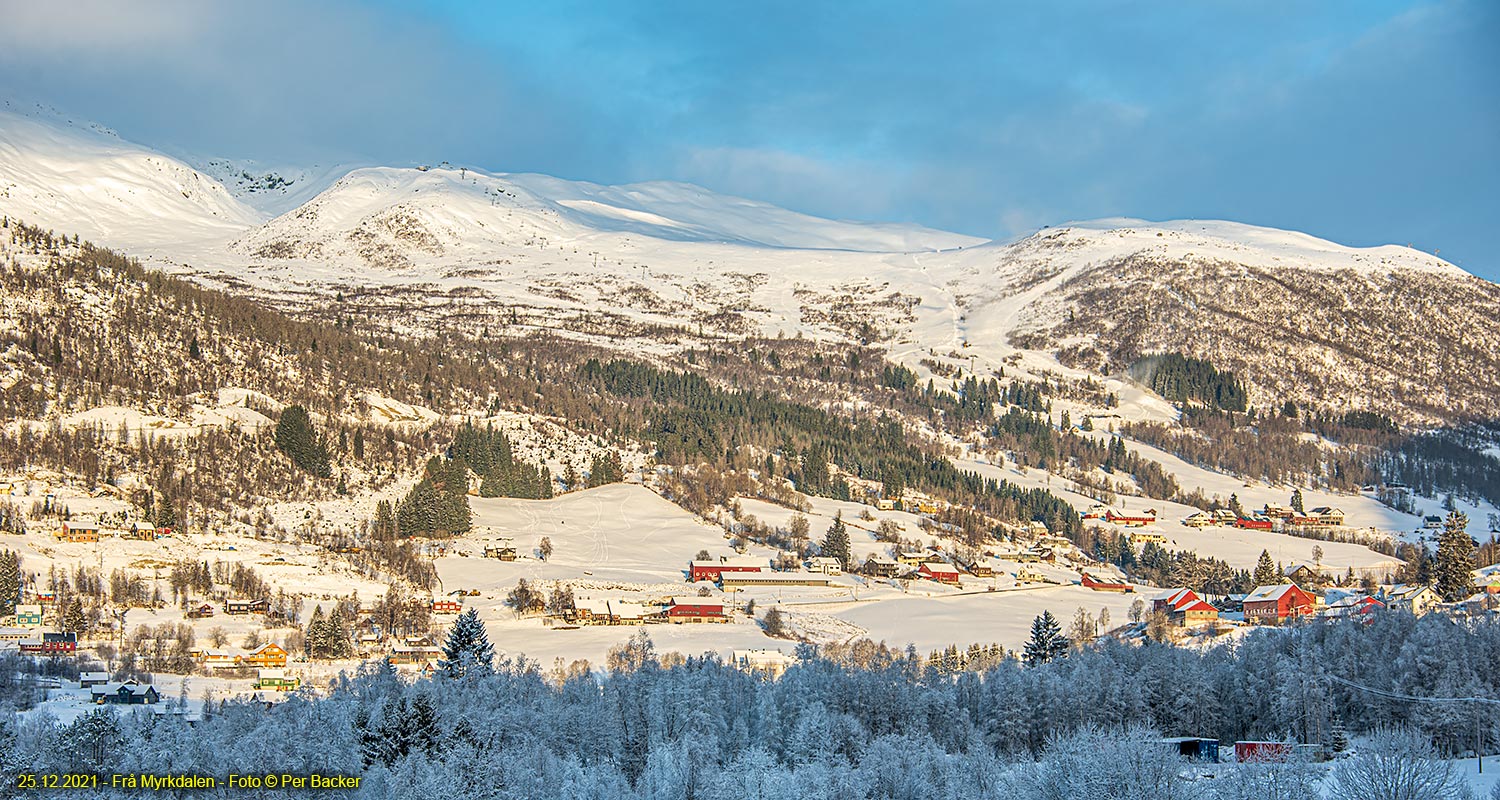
(836, 543)
(163, 514)
(339, 644)
(296, 437)
(605, 469)
(10, 582)
(1047, 641)
(316, 642)
(1453, 573)
(72, 618)
(1297, 501)
(468, 652)
(1234, 505)
(1265, 571)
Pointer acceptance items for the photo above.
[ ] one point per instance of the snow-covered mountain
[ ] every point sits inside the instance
(643, 266)
(83, 179)
(389, 217)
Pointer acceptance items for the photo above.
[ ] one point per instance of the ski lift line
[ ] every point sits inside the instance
(1399, 696)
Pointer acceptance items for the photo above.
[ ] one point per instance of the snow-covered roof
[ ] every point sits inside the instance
(940, 566)
(698, 601)
(138, 689)
(739, 561)
(624, 609)
(1263, 593)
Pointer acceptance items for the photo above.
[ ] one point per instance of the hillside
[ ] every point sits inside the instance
(84, 179)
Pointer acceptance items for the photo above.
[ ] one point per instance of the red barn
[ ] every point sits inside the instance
(712, 570)
(1273, 605)
(939, 571)
(1255, 523)
(1147, 517)
(1089, 582)
(696, 609)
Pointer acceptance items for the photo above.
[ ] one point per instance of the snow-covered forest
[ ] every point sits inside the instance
(850, 721)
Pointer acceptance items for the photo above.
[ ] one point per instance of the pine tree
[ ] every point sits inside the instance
(339, 643)
(1047, 641)
(1265, 571)
(1297, 501)
(296, 437)
(605, 469)
(72, 618)
(468, 652)
(1453, 572)
(1338, 740)
(836, 543)
(10, 582)
(315, 642)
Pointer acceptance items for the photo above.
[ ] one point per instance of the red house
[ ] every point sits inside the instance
(1186, 606)
(1147, 517)
(696, 609)
(51, 644)
(1255, 523)
(446, 607)
(1089, 582)
(1273, 605)
(939, 571)
(711, 570)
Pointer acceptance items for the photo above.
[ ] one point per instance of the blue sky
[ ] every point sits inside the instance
(1365, 122)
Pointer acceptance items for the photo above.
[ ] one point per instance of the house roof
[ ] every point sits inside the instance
(93, 676)
(741, 562)
(624, 609)
(698, 601)
(940, 566)
(137, 689)
(1263, 593)
(1407, 591)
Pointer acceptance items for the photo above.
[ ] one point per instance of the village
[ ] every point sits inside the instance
(900, 558)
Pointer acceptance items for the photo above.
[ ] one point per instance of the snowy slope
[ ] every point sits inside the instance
(83, 179)
(388, 216)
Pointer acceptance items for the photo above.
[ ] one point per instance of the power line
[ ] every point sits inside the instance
(1399, 696)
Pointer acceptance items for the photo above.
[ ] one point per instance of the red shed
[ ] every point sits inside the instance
(1255, 523)
(1273, 605)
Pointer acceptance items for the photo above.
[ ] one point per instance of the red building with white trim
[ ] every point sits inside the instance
(1273, 605)
(697, 609)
